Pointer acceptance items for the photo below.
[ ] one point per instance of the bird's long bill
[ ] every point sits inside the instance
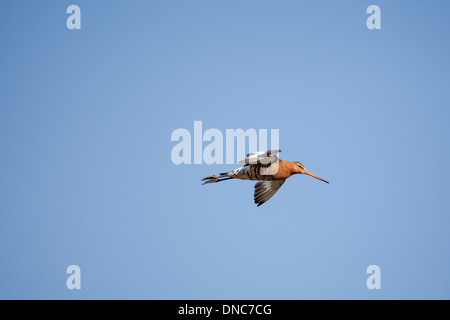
(313, 175)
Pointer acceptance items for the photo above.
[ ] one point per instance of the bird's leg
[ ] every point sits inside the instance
(216, 178)
(211, 177)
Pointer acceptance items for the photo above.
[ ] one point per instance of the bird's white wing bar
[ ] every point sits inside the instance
(264, 190)
(265, 157)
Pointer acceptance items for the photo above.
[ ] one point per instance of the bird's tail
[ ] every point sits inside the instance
(216, 178)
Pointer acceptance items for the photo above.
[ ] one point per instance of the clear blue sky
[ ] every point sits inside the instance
(86, 176)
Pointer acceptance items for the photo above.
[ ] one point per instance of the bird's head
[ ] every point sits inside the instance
(300, 169)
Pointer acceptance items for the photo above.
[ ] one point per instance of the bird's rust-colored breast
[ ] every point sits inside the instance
(284, 170)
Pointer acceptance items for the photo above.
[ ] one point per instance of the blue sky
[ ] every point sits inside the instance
(86, 176)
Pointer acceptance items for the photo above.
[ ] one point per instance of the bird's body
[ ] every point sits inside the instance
(278, 170)
(268, 169)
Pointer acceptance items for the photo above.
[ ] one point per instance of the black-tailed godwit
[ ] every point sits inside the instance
(268, 169)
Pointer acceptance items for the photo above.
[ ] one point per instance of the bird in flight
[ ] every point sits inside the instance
(268, 169)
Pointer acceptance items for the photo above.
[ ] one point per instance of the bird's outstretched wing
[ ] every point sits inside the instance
(264, 190)
(265, 157)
